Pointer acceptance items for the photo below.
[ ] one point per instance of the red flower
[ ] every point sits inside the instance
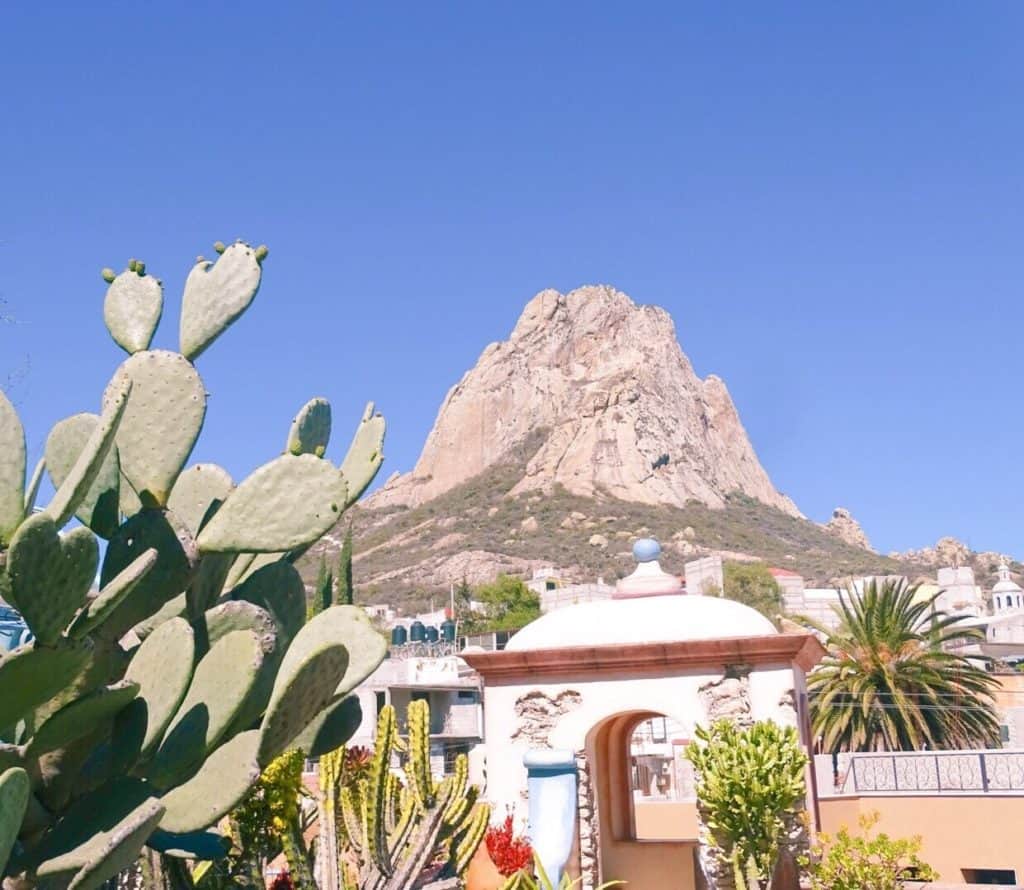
(508, 853)
(283, 881)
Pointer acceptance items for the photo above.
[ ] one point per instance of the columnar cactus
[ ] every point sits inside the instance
(395, 829)
(143, 713)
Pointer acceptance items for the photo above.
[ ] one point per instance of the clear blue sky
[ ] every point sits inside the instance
(827, 197)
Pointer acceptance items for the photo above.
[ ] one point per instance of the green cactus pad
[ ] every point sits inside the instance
(76, 486)
(162, 423)
(216, 294)
(220, 686)
(286, 503)
(101, 834)
(365, 454)
(176, 607)
(219, 787)
(162, 666)
(240, 615)
(12, 469)
(311, 429)
(278, 588)
(199, 488)
(32, 489)
(258, 561)
(81, 716)
(129, 500)
(162, 531)
(331, 728)
(14, 794)
(113, 594)
(311, 670)
(200, 845)
(50, 574)
(366, 646)
(99, 506)
(132, 310)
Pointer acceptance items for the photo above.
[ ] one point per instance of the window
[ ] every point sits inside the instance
(467, 695)
(549, 585)
(381, 701)
(1005, 877)
(1004, 734)
(451, 752)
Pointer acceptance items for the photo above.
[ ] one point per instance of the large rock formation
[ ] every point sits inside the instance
(625, 414)
(846, 528)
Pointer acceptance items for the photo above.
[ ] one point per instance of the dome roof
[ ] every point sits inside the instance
(660, 619)
(1005, 584)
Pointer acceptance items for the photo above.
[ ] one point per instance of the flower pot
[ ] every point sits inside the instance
(482, 873)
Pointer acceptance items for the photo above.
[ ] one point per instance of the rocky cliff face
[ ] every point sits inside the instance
(846, 528)
(624, 413)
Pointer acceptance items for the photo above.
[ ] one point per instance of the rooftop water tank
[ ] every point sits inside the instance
(399, 635)
(432, 635)
(417, 633)
(448, 631)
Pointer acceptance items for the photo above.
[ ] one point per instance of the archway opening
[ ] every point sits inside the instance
(662, 781)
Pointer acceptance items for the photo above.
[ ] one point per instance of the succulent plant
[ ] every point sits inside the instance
(143, 712)
(394, 829)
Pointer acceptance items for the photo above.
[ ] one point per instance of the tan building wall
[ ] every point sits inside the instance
(958, 831)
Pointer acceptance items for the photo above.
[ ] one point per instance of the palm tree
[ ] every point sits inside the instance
(890, 680)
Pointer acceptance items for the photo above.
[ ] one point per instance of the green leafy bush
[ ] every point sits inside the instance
(852, 862)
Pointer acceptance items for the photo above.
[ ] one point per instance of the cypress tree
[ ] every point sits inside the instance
(345, 594)
(322, 589)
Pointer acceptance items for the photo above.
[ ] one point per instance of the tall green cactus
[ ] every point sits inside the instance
(142, 713)
(395, 830)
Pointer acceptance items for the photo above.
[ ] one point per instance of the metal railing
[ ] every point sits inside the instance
(936, 772)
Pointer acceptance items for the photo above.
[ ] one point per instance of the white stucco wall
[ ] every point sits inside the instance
(674, 696)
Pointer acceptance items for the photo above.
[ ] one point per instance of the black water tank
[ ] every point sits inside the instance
(448, 631)
(417, 633)
(432, 635)
(399, 635)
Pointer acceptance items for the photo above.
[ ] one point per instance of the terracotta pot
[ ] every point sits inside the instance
(482, 873)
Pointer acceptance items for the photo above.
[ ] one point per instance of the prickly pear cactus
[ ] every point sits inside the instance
(144, 711)
(396, 830)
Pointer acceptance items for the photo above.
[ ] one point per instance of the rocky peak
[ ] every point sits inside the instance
(846, 528)
(624, 413)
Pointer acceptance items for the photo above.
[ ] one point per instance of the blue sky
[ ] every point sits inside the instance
(826, 197)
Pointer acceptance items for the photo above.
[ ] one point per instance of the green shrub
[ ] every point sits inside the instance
(851, 862)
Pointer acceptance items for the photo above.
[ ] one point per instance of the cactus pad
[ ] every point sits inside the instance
(32, 489)
(278, 588)
(66, 441)
(199, 488)
(365, 454)
(75, 488)
(81, 716)
(366, 646)
(221, 784)
(162, 666)
(50, 574)
(31, 675)
(222, 681)
(14, 794)
(12, 469)
(162, 422)
(111, 596)
(311, 670)
(98, 826)
(132, 309)
(311, 429)
(216, 294)
(331, 728)
(162, 531)
(286, 503)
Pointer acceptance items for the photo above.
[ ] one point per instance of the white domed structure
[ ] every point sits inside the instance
(656, 619)
(1007, 595)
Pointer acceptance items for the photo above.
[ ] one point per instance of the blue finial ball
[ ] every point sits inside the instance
(646, 550)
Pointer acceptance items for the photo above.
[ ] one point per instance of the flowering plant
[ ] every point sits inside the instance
(508, 852)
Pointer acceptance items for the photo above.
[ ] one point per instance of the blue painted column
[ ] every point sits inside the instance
(551, 785)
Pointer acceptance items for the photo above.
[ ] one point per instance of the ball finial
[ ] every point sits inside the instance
(646, 550)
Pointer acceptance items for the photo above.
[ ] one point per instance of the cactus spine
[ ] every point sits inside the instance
(395, 830)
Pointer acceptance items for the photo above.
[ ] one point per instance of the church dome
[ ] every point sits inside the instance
(656, 619)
